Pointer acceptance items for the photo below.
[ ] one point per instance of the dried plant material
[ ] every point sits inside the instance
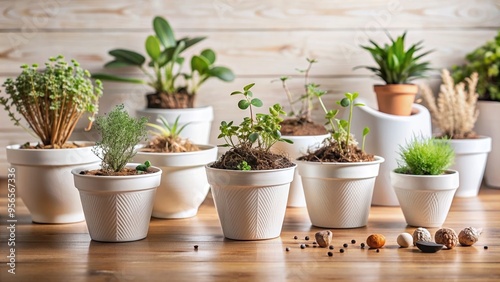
(454, 111)
(447, 237)
(169, 144)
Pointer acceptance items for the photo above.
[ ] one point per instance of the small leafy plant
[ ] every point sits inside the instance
(485, 60)
(251, 141)
(454, 111)
(143, 168)
(168, 138)
(119, 134)
(397, 65)
(341, 146)
(52, 100)
(166, 61)
(425, 156)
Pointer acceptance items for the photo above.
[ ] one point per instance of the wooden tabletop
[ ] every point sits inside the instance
(64, 252)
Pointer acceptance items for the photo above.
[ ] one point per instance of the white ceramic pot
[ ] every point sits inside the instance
(470, 161)
(117, 208)
(184, 184)
(300, 146)
(387, 133)
(44, 181)
(339, 195)
(199, 119)
(425, 199)
(251, 204)
(487, 124)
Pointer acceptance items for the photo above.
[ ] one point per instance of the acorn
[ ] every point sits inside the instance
(375, 241)
(421, 234)
(447, 237)
(469, 235)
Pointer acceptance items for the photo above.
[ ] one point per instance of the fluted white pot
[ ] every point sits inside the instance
(470, 161)
(117, 208)
(425, 199)
(199, 120)
(487, 124)
(251, 204)
(44, 182)
(300, 146)
(339, 195)
(184, 184)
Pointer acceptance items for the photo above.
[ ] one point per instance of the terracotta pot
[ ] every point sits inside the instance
(396, 99)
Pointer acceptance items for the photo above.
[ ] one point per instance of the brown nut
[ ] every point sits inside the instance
(468, 236)
(421, 234)
(375, 241)
(447, 237)
(323, 238)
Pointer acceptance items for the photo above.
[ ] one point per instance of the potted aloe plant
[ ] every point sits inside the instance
(51, 101)
(454, 112)
(423, 183)
(339, 177)
(117, 196)
(486, 62)
(184, 184)
(174, 89)
(250, 183)
(397, 67)
(300, 128)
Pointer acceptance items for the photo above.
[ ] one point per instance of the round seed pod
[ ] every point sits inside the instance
(468, 236)
(404, 240)
(447, 237)
(375, 241)
(421, 234)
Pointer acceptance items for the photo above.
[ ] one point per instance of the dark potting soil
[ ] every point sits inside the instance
(124, 172)
(68, 145)
(256, 158)
(330, 152)
(301, 127)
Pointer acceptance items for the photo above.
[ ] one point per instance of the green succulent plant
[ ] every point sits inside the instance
(397, 65)
(173, 87)
(484, 60)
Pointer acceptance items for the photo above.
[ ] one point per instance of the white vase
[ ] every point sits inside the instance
(117, 208)
(199, 120)
(184, 184)
(387, 133)
(487, 124)
(44, 182)
(339, 195)
(251, 204)
(470, 161)
(425, 199)
(301, 145)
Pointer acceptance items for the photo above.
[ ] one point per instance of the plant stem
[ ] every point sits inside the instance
(326, 111)
(289, 96)
(351, 107)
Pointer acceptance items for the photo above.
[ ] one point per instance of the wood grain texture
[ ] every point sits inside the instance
(66, 253)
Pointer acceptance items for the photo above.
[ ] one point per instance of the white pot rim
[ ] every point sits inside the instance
(353, 170)
(230, 177)
(77, 171)
(196, 114)
(447, 181)
(207, 154)
(378, 159)
(482, 144)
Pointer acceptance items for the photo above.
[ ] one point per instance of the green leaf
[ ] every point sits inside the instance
(118, 64)
(190, 41)
(253, 137)
(287, 141)
(153, 47)
(236, 92)
(164, 32)
(366, 130)
(199, 64)
(247, 87)
(128, 56)
(222, 73)
(345, 102)
(209, 54)
(243, 104)
(109, 77)
(256, 102)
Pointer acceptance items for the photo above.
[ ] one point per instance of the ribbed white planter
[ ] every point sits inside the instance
(44, 182)
(117, 208)
(339, 195)
(300, 146)
(470, 161)
(425, 199)
(487, 125)
(184, 184)
(251, 204)
(199, 119)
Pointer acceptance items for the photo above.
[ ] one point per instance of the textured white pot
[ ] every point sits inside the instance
(251, 204)
(44, 181)
(199, 119)
(425, 199)
(117, 208)
(300, 146)
(184, 184)
(387, 133)
(339, 195)
(487, 124)
(470, 161)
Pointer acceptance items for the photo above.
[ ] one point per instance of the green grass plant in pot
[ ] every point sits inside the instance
(423, 182)
(50, 100)
(397, 66)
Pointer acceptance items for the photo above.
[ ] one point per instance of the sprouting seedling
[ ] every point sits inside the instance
(142, 168)
(167, 130)
(248, 102)
(244, 166)
(366, 130)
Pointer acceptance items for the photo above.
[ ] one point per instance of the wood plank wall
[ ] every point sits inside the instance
(260, 40)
